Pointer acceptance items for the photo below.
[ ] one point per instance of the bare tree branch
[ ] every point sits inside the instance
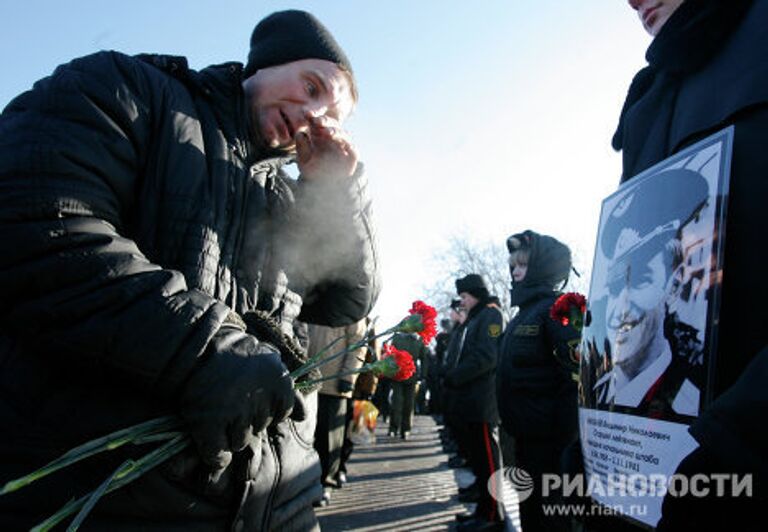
(463, 255)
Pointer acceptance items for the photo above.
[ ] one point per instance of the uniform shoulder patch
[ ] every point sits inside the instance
(494, 330)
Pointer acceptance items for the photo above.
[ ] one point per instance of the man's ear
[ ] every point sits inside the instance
(675, 283)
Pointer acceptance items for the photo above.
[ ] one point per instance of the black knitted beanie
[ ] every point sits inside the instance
(287, 36)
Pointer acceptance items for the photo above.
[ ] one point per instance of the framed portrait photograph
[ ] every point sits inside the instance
(651, 330)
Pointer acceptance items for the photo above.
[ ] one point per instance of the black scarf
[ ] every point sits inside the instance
(688, 41)
(549, 264)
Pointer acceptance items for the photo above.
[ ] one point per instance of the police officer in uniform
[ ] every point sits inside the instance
(472, 382)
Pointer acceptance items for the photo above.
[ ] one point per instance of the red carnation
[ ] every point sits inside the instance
(396, 364)
(428, 316)
(569, 308)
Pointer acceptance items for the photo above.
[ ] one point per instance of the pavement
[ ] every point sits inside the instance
(402, 485)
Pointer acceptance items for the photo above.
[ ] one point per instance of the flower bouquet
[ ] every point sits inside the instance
(569, 309)
(170, 430)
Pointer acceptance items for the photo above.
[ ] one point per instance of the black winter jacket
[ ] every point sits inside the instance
(470, 384)
(707, 70)
(536, 391)
(135, 215)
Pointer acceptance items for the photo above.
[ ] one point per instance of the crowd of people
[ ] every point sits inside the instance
(158, 260)
(510, 381)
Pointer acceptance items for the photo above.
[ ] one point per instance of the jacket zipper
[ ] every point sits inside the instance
(239, 153)
(272, 440)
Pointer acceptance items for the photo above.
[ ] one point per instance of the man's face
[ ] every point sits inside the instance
(635, 308)
(457, 316)
(282, 98)
(654, 13)
(468, 301)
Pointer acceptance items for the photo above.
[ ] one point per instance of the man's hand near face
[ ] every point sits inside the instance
(325, 150)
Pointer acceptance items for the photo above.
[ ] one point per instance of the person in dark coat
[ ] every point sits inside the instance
(471, 382)
(365, 387)
(453, 423)
(536, 381)
(404, 392)
(438, 367)
(334, 394)
(706, 71)
(154, 257)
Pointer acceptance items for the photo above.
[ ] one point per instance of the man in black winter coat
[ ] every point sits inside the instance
(154, 257)
(471, 384)
(707, 71)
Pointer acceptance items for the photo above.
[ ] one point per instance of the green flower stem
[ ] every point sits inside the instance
(160, 436)
(126, 474)
(317, 356)
(307, 367)
(386, 367)
(412, 323)
(363, 369)
(97, 494)
(98, 445)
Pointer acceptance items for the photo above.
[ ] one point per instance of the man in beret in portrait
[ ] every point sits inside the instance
(642, 239)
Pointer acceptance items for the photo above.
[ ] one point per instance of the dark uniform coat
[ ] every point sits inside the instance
(471, 381)
(536, 383)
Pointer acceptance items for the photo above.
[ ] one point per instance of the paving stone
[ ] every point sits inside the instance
(401, 485)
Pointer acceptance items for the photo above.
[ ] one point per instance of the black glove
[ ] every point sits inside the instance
(344, 386)
(240, 389)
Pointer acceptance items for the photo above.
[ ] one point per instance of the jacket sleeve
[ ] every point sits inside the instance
(332, 250)
(73, 284)
(732, 428)
(355, 358)
(480, 352)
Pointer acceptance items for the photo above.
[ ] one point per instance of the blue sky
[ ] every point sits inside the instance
(483, 118)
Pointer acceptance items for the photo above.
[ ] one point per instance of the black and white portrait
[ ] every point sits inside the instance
(644, 348)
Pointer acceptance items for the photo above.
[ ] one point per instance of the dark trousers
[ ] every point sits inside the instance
(537, 457)
(456, 429)
(435, 396)
(481, 442)
(381, 398)
(348, 446)
(329, 435)
(403, 401)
